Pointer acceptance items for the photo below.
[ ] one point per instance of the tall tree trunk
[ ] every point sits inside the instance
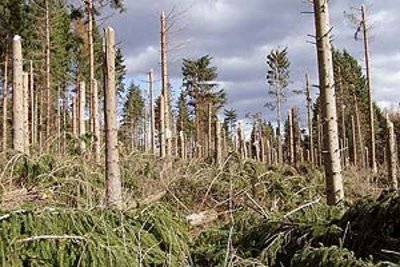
(5, 101)
(391, 153)
(165, 82)
(152, 113)
(218, 143)
(32, 98)
(92, 117)
(18, 97)
(113, 179)
(309, 118)
(58, 121)
(369, 86)
(333, 171)
(290, 137)
(48, 72)
(209, 128)
(359, 132)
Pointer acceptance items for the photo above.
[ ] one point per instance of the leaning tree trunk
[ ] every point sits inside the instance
(18, 97)
(372, 149)
(113, 179)
(333, 171)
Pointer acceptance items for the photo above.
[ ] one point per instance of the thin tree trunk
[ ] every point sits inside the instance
(309, 118)
(58, 121)
(333, 171)
(5, 101)
(162, 124)
(369, 86)
(165, 82)
(26, 112)
(95, 120)
(354, 141)
(290, 137)
(90, 14)
(113, 179)
(152, 114)
(32, 98)
(81, 115)
(359, 132)
(48, 72)
(391, 153)
(279, 130)
(74, 116)
(209, 135)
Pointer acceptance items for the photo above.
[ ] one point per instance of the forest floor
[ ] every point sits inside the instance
(190, 213)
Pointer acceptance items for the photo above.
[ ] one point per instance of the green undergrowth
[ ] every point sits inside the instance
(156, 236)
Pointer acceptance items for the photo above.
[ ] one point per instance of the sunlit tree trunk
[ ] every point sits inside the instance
(5, 101)
(113, 179)
(391, 153)
(18, 97)
(333, 171)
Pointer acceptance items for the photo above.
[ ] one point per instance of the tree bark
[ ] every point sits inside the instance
(5, 101)
(152, 114)
(92, 117)
(372, 147)
(309, 118)
(333, 171)
(18, 97)
(113, 179)
(95, 120)
(26, 112)
(48, 72)
(218, 143)
(162, 124)
(391, 153)
(81, 115)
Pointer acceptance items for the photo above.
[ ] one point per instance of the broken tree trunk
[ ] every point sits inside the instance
(18, 97)
(333, 171)
(113, 179)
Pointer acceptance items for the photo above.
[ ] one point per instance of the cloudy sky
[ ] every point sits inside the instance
(240, 33)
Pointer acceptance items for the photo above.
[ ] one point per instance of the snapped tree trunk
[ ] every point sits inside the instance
(25, 86)
(333, 171)
(18, 97)
(113, 179)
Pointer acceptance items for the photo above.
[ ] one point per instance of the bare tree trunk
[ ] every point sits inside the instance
(5, 101)
(333, 171)
(92, 117)
(218, 141)
(26, 112)
(359, 132)
(48, 71)
(58, 120)
(165, 82)
(279, 130)
(74, 116)
(32, 98)
(295, 137)
(152, 114)
(391, 153)
(354, 141)
(113, 179)
(162, 124)
(95, 120)
(182, 145)
(309, 118)
(209, 135)
(18, 97)
(290, 137)
(81, 115)
(369, 86)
